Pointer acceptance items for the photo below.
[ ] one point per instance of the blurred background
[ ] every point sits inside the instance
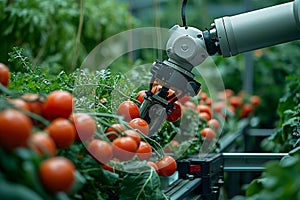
(57, 35)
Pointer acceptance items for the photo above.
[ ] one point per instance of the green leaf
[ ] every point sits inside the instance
(143, 185)
(14, 191)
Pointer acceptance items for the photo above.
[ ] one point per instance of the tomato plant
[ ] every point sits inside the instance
(57, 174)
(15, 128)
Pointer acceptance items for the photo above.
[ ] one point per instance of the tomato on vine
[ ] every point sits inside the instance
(62, 131)
(175, 114)
(42, 143)
(204, 109)
(57, 174)
(129, 110)
(19, 103)
(208, 134)
(124, 148)
(34, 102)
(214, 123)
(139, 124)
(4, 75)
(114, 131)
(255, 100)
(58, 103)
(140, 96)
(85, 126)
(153, 165)
(100, 150)
(236, 101)
(15, 128)
(134, 135)
(166, 166)
(144, 151)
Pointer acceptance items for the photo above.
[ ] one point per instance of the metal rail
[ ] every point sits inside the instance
(246, 162)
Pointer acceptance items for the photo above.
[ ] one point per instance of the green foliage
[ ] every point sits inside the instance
(31, 79)
(287, 136)
(50, 30)
(19, 176)
(280, 180)
(147, 185)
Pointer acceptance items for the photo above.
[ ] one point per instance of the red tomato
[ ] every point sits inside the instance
(246, 110)
(42, 143)
(19, 103)
(134, 135)
(175, 114)
(15, 128)
(203, 96)
(114, 131)
(100, 150)
(144, 151)
(204, 108)
(219, 106)
(214, 124)
(140, 96)
(62, 132)
(235, 101)
(58, 104)
(57, 174)
(129, 110)
(205, 115)
(139, 124)
(208, 101)
(255, 100)
(166, 166)
(34, 101)
(124, 148)
(208, 133)
(85, 126)
(153, 165)
(4, 75)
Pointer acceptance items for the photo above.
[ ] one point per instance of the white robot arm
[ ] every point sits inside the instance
(232, 35)
(188, 47)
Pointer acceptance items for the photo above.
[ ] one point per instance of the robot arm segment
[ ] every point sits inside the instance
(257, 29)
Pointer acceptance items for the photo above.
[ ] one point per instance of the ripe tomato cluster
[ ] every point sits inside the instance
(128, 141)
(237, 106)
(44, 124)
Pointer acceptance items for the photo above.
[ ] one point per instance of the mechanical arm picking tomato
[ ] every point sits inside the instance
(188, 47)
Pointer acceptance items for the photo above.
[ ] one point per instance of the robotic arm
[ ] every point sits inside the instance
(230, 36)
(188, 47)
